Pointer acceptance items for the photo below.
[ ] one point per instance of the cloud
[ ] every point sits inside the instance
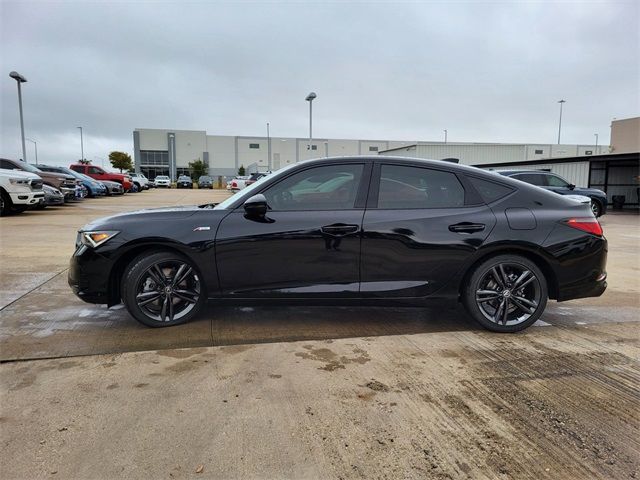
(406, 71)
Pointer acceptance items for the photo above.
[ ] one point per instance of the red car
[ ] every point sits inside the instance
(100, 174)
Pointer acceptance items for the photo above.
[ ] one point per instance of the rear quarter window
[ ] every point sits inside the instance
(488, 190)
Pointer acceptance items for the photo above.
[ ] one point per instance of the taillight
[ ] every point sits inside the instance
(234, 184)
(586, 224)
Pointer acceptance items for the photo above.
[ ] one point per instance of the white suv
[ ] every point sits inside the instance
(162, 181)
(140, 180)
(19, 191)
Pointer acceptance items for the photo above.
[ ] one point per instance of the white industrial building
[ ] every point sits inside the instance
(613, 168)
(168, 152)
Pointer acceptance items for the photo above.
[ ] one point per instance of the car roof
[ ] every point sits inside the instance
(513, 172)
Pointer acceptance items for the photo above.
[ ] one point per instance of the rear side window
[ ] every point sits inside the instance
(532, 178)
(489, 191)
(415, 187)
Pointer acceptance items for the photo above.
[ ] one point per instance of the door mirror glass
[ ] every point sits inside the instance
(256, 206)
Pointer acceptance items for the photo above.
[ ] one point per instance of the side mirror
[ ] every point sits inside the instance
(571, 186)
(256, 206)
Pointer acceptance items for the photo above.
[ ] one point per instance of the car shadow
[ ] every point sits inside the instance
(267, 324)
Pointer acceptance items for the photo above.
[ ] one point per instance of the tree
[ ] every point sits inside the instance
(84, 161)
(120, 160)
(241, 170)
(198, 168)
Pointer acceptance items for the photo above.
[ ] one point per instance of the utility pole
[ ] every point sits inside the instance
(20, 80)
(596, 149)
(560, 122)
(268, 148)
(81, 145)
(445, 136)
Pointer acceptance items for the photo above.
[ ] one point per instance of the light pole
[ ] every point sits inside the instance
(326, 149)
(81, 146)
(596, 149)
(560, 122)
(35, 144)
(20, 79)
(445, 136)
(310, 99)
(268, 148)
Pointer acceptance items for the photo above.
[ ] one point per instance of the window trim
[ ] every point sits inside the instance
(374, 190)
(361, 194)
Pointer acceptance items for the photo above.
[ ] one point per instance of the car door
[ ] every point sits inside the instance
(419, 228)
(308, 244)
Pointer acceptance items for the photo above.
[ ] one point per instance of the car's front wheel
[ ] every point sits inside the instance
(163, 289)
(506, 293)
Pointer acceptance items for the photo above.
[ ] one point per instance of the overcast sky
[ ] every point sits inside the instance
(485, 71)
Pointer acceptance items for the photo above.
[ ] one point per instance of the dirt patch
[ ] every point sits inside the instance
(332, 361)
(377, 386)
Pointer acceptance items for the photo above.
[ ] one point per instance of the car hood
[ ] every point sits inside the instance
(150, 215)
(588, 191)
(18, 174)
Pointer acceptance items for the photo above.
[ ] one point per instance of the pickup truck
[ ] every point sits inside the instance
(19, 191)
(61, 181)
(98, 173)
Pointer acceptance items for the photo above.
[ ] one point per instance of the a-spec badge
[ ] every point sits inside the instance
(201, 229)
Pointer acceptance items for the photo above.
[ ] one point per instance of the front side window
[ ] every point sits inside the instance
(554, 181)
(95, 170)
(416, 187)
(333, 187)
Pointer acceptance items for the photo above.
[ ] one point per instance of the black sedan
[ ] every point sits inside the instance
(351, 230)
(184, 181)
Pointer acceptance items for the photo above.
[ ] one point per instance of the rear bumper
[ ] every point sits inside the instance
(588, 289)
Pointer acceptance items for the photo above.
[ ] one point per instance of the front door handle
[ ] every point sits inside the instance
(339, 229)
(466, 227)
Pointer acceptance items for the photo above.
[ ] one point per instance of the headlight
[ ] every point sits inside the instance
(95, 239)
(19, 181)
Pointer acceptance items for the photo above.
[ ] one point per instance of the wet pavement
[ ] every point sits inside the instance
(41, 318)
(308, 392)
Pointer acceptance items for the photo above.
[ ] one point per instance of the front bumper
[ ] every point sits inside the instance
(88, 275)
(26, 198)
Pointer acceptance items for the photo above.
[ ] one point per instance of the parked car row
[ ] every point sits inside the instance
(24, 186)
(184, 181)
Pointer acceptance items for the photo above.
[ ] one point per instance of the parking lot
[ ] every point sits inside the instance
(307, 392)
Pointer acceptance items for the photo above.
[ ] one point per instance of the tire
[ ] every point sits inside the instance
(596, 208)
(150, 276)
(491, 285)
(5, 204)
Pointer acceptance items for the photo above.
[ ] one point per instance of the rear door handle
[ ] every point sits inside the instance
(339, 229)
(466, 227)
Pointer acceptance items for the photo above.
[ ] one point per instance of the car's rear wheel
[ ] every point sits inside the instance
(163, 289)
(596, 208)
(506, 293)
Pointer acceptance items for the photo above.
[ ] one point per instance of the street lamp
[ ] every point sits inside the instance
(445, 136)
(596, 149)
(268, 148)
(81, 146)
(35, 144)
(20, 79)
(310, 99)
(560, 122)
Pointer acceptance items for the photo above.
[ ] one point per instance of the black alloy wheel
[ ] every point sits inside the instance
(162, 289)
(506, 293)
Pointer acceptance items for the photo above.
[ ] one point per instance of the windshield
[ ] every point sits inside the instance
(254, 187)
(29, 168)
